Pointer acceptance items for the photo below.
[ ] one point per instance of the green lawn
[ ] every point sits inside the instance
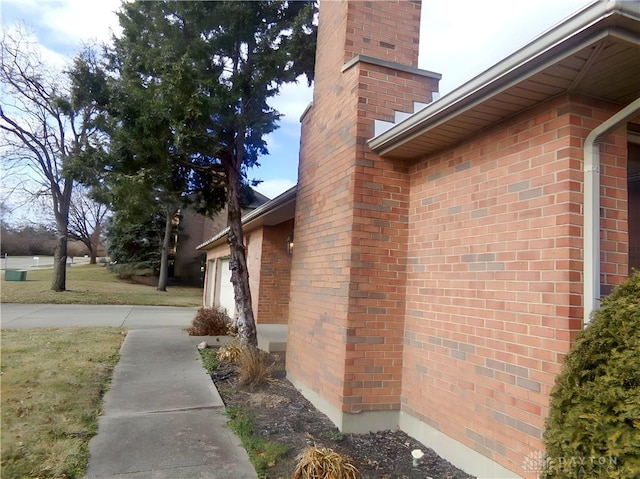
(93, 284)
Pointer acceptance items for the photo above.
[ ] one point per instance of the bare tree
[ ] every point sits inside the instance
(45, 127)
(86, 220)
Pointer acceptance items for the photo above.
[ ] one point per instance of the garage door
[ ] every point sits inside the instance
(212, 281)
(225, 287)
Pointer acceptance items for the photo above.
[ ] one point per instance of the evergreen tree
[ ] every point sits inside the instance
(212, 67)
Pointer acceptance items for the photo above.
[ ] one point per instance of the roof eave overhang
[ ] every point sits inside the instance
(595, 22)
(258, 217)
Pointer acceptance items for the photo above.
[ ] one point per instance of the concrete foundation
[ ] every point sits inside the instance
(272, 338)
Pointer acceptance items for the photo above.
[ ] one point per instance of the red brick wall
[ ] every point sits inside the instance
(634, 210)
(389, 30)
(451, 288)
(614, 213)
(320, 267)
(373, 372)
(348, 273)
(494, 292)
(275, 275)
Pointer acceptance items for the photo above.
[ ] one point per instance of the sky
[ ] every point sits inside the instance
(459, 39)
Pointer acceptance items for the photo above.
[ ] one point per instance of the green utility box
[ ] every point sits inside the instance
(15, 275)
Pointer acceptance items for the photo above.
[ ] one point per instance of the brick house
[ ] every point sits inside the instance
(267, 231)
(447, 252)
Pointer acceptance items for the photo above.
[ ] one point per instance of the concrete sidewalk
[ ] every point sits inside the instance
(70, 315)
(163, 417)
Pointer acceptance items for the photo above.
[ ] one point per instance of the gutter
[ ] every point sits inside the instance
(567, 37)
(591, 267)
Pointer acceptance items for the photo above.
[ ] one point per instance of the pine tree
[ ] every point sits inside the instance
(213, 66)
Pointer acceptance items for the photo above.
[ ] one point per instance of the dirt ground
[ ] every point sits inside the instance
(281, 414)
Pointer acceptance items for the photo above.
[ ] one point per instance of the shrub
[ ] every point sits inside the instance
(323, 463)
(129, 270)
(593, 429)
(210, 322)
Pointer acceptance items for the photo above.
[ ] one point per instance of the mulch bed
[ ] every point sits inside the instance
(282, 414)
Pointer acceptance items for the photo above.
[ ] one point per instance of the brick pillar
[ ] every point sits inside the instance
(348, 276)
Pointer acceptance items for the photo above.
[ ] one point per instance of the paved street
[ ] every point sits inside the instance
(35, 262)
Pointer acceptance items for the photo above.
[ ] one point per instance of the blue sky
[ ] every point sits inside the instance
(459, 39)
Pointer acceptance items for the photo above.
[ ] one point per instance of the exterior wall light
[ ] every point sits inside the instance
(290, 244)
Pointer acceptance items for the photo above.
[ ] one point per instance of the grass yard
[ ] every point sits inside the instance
(93, 284)
(53, 381)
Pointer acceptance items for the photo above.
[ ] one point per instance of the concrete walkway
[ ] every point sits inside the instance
(162, 417)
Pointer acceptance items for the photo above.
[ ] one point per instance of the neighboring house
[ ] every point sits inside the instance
(193, 229)
(446, 258)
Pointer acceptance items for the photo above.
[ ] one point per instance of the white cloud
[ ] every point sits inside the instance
(275, 187)
(65, 25)
(81, 20)
(462, 39)
(294, 98)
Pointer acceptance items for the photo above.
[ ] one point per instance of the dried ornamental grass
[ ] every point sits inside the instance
(229, 353)
(323, 463)
(254, 367)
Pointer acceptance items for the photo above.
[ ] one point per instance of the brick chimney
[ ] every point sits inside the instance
(346, 315)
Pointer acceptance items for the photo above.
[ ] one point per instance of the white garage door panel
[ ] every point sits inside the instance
(225, 287)
(212, 279)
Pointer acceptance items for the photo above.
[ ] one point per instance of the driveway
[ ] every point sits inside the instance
(22, 316)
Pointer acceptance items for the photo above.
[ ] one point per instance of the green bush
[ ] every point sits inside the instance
(129, 270)
(210, 322)
(593, 429)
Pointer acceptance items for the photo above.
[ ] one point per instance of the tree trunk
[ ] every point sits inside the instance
(59, 282)
(61, 203)
(94, 244)
(164, 258)
(238, 264)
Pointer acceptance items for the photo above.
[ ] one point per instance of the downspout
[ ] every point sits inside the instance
(591, 267)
